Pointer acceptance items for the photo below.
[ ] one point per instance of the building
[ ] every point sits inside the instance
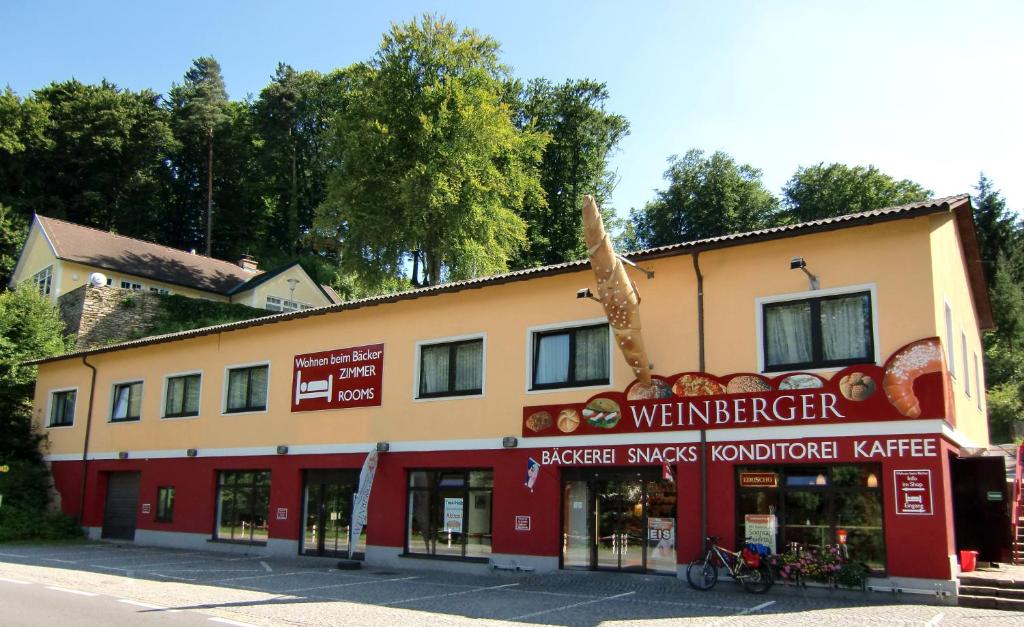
(60, 256)
(835, 396)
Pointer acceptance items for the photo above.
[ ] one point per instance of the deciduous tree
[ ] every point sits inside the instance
(825, 191)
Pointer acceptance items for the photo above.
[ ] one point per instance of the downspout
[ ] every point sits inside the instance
(85, 444)
(703, 432)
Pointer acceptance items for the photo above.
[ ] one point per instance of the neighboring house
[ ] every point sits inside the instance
(60, 256)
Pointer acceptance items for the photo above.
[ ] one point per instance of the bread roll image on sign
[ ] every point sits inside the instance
(616, 292)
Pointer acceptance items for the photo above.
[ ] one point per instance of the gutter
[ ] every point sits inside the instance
(703, 432)
(85, 444)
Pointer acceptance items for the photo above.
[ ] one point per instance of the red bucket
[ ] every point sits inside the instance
(968, 561)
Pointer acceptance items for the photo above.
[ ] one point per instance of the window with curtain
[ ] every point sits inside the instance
(182, 396)
(127, 402)
(62, 408)
(818, 332)
(571, 357)
(247, 389)
(451, 368)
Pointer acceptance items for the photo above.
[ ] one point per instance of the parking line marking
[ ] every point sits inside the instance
(935, 620)
(54, 559)
(79, 592)
(450, 594)
(757, 608)
(569, 607)
(17, 581)
(228, 621)
(299, 572)
(148, 606)
(266, 566)
(343, 585)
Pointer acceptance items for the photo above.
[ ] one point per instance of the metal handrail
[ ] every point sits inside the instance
(1015, 520)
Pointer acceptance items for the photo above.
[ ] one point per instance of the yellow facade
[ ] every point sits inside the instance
(305, 292)
(909, 265)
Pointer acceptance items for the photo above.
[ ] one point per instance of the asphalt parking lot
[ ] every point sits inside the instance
(127, 584)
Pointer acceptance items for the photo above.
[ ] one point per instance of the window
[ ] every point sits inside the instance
(127, 404)
(182, 398)
(977, 381)
(450, 513)
(62, 408)
(571, 357)
(243, 506)
(43, 280)
(809, 505)
(128, 285)
(451, 368)
(963, 352)
(160, 290)
(275, 303)
(820, 332)
(247, 389)
(164, 504)
(949, 341)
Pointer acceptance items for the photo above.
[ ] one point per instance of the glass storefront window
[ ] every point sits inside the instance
(450, 513)
(809, 506)
(243, 506)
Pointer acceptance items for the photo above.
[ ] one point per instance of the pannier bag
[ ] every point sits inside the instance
(751, 558)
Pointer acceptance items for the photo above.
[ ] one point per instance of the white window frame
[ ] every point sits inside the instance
(967, 370)
(113, 391)
(950, 348)
(166, 291)
(448, 340)
(571, 324)
(977, 380)
(224, 387)
(299, 305)
(49, 407)
(761, 301)
(38, 281)
(163, 395)
(132, 285)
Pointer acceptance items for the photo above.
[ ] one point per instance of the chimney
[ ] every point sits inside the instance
(248, 264)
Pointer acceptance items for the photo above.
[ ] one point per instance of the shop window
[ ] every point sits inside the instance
(43, 280)
(450, 513)
(243, 506)
(182, 397)
(451, 369)
(821, 332)
(127, 405)
(62, 408)
(165, 504)
(808, 506)
(247, 389)
(573, 357)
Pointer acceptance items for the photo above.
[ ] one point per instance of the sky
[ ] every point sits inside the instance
(931, 91)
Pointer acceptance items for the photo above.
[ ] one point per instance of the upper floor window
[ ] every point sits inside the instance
(160, 290)
(977, 380)
(949, 340)
(818, 332)
(182, 398)
(963, 351)
(573, 357)
(451, 368)
(247, 389)
(130, 285)
(43, 280)
(127, 404)
(62, 408)
(276, 303)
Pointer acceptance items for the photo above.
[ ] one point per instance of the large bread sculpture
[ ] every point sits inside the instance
(616, 292)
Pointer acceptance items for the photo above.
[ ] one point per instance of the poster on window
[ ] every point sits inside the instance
(453, 515)
(760, 529)
(661, 532)
(338, 379)
(913, 492)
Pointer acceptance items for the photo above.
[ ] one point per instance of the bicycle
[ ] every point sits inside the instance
(702, 574)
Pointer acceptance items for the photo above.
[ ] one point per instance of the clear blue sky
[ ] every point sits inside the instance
(931, 91)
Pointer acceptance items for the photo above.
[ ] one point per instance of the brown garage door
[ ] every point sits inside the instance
(122, 499)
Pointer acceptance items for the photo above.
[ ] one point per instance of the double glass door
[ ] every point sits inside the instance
(622, 521)
(328, 511)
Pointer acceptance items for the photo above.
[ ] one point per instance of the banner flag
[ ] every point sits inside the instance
(361, 500)
(532, 472)
(666, 472)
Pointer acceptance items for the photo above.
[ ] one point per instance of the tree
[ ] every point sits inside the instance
(575, 163)
(1004, 353)
(706, 197)
(199, 108)
(430, 165)
(825, 191)
(13, 231)
(995, 227)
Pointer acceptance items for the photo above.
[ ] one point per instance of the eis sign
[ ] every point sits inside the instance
(338, 379)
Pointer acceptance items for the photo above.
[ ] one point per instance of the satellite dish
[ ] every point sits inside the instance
(98, 279)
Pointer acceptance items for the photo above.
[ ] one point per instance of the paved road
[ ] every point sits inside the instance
(110, 584)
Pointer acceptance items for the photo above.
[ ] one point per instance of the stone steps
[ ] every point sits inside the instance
(989, 592)
(991, 603)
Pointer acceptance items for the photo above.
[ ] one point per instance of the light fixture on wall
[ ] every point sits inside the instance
(291, 288)
(192, 452)
(586, 293)
(383, 447)
(282, 449)
(798, 263)
(872, 480)
(122, 455)
(820, 479)
(509, 441)
(649, 273)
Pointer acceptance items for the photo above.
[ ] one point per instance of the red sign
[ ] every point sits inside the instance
(338, 379)
(759, 480)
(913, 492)
(522, 523)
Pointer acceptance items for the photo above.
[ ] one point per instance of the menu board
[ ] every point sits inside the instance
(453, 515)
(760, 529)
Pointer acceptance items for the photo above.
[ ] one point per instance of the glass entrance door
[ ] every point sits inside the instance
(328, 511)
(618, 516)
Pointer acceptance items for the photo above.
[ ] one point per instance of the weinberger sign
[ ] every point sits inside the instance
(338, 379)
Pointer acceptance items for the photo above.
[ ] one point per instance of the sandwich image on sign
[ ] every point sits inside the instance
(313, 389)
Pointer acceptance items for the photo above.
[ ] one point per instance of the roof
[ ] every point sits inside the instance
(263, 277)
(959, 205)
(118, 253)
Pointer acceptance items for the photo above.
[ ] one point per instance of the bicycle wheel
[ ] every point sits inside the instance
(758, 579)
(701, 574)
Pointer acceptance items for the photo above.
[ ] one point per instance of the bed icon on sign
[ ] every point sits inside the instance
(305, 390)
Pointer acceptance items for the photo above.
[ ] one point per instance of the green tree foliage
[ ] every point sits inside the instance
(430, 163)
(1004, 352)
(583, 136)
(995, 225)
(706, 197)
(13, 230)
(825, 191)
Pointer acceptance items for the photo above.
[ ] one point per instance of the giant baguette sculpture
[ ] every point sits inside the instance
(616, 292)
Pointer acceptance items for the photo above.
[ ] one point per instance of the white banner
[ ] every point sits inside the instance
(361, 500)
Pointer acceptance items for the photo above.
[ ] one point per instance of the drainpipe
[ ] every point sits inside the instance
(703, 432)
(85, 444)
